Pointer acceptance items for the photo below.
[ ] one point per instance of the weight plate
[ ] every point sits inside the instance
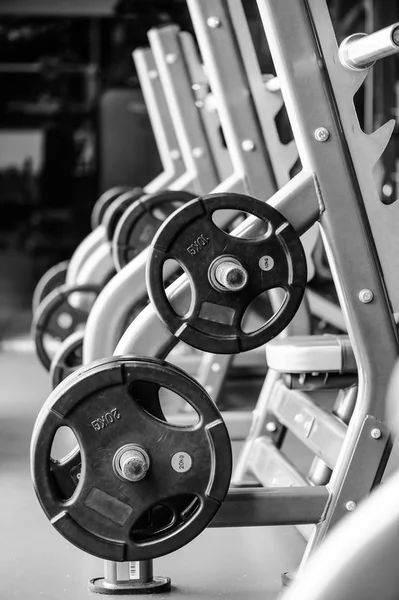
(87, 495)
(67, 359)
(214, 260)
(103, 202)
(57, 318)
(52, 278)
(115, 211)
(139, 223)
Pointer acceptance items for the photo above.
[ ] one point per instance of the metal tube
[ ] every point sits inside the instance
(161, 122)
(360, 51)
(252, 507)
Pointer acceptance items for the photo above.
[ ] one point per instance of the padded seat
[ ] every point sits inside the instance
(311, 354)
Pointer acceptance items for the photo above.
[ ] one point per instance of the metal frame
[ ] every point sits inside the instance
(238, 117)
(161, 122)
(337, 163)
(357, 560)
(83, 252)
(339, 193)
(201, 171)
(370, 326)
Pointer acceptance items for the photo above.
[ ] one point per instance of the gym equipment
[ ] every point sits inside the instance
(231, 66)
(356, 560)
(58, 318)
(172, 60)
(162, 124)
(52, 278)
(199, 161)
(326, 189)
(67, 359)
(115, 211)
(121, 495)
(137, 226)
(226, 273)
(103, 202)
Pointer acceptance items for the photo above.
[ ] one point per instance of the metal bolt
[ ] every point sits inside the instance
(65, 320)
(170, 58)
(132, 462)
(321, 134)
(387, 189)
(215, 367)
(199, 104)
(366, 296)
(376, 433)
(209, 389)
(248, 145)
(175, 154)
(271, 427)
(213, 22)
(231, 275)
(198, 152)
(152, 74)
(350, 506)
(133, 465)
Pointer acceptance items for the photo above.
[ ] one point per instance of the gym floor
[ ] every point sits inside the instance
(38, 563)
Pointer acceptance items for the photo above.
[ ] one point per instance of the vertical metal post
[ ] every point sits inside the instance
(229, 85)
(133, 577)
(302, 44)
(162, 126)
(201, 175)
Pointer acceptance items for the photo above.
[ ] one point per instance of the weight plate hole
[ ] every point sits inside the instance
(176, 410)
(163, 404)
(64, 443)
(74, 357)
(233, 217)
(264, 229)
(260, 310)
(172, 266)
(162, 519)
(51, 344)
(65, 462)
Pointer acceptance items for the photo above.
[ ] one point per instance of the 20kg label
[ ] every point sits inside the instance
(181, 462)
(198, 245)
(106, 419)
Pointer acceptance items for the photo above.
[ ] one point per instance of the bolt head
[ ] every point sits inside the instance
(321, 134)
(350, 506)
(175, 154)
(213, 22)
(376, 433)
(248, 145)
(271, 427)
(198, 152)
(152, 74)
(170, 58)
(131, 463)
(366, 296)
